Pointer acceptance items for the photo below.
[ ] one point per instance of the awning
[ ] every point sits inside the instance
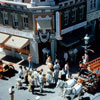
(17, 42)
(3, 37)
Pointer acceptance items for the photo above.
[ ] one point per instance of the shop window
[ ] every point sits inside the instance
(15, 20)
(5, 18)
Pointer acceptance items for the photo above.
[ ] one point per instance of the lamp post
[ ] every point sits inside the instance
(86, 41)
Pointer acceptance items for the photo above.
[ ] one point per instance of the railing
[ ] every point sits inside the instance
(95, 66)
(94, 62)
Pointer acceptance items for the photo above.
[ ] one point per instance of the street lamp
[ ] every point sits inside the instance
(86, 41)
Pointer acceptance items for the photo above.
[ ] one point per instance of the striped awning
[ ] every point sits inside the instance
(17, 42)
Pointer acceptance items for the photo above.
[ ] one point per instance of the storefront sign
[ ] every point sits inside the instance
(16, 32)
(93, 15)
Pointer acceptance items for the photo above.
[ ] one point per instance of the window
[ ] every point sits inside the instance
(71, 2)
(42, 0)
(66, 17)
(15, 20)
(60, 5)
(81, 12)
(25, 22)
(74, 15)
(66, 4)
(76, 1)
(5, 18)
(92, 4)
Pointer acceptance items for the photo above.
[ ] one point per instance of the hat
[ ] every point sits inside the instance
(37, 98)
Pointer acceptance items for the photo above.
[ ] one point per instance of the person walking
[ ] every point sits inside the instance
(65, 56)
(30, 62)
(36, 77)
(49, 78)
(11, 92)
(56, 65)
(67, 68)
(55, 75)
(29, 78)
(45, 52)
(41, 82)
(20, 72)
(63, 74)
(32, 84)
(25, 75)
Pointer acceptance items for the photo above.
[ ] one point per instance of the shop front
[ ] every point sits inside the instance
(44, 36)
(14, 43)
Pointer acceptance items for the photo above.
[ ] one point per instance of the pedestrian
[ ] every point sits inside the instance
(63, 74)
(46, 52)
(86, 57)
(18, 84)
(29, 78)
(20, 72)
(32, 84)
(44, 79)
(48, 60)
(11, 92)
(25, 75)
(84, 60)
(65, 56)
(49, 77)
(55, 75)
(50, 65)
(71, 54)
(75, 51)
(36, 77)
(56, 65)
(42, 71)
(30, 62)
(67, 68)
(41, 82)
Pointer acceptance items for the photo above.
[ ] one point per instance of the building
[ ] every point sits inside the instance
(72, 24)
(27, 26)
(93, 18)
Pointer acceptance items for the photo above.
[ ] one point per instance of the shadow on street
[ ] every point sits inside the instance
(10, 73)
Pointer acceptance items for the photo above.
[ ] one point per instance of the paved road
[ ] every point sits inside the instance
(48, 94)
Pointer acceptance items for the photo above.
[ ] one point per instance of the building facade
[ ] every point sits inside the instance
(38, 26)
(72, 24)
(27, 28)
(93, 18)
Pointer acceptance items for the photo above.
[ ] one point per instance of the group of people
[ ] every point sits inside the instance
(34, 78)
